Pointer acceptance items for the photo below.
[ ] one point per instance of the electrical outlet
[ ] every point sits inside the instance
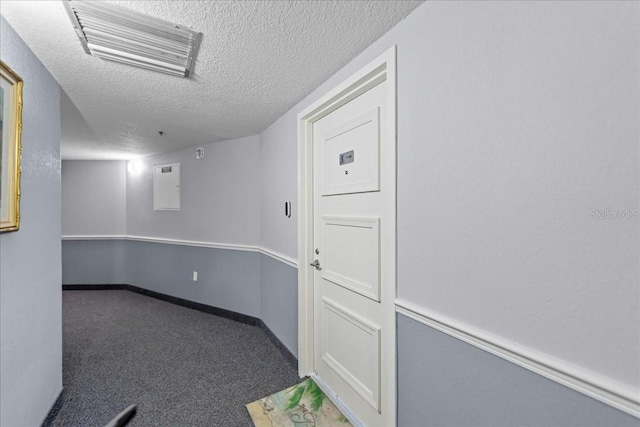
(195, 276)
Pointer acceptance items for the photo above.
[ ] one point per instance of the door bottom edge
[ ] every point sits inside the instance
(336, 400)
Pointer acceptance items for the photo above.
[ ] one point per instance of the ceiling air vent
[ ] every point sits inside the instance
(119, 34)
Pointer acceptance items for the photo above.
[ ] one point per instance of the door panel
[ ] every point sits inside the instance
(344, 331)
(350, 156)
(344, 236)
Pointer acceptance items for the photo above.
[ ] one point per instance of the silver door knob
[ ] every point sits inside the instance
(316, 264)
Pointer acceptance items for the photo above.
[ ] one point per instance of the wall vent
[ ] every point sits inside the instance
(122, 35)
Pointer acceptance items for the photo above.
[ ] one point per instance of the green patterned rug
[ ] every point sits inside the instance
(303, 405)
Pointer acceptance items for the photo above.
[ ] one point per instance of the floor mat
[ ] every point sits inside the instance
(302, 405)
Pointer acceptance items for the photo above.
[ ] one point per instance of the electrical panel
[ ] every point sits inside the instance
(166, 187)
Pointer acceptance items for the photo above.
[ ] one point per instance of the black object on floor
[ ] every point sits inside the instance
(181, 366)
(123, 418)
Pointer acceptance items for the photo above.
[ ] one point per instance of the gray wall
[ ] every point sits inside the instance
(245, 282)
(220, 195)
(221, 198)
(94, 262)
(30, 295)
(226, 279)
(279, 183)
(279, 300)
(94, 197)
(533, 123)
(443, 381)
(515, 120)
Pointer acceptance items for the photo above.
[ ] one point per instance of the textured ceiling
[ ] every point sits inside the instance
(257, 60)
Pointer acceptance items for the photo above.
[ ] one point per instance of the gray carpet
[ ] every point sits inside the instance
(181, 366)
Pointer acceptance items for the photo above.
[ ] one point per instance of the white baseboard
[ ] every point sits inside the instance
(594, 385)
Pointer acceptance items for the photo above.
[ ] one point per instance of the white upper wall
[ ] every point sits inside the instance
(94, 198)
(515, 121)
(220, 195)
(279, 184)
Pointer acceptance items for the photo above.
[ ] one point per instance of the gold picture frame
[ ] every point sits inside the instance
(10, 148)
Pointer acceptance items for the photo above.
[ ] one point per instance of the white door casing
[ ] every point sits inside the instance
(347, 194)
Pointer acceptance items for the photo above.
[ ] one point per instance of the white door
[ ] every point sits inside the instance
(354, 245)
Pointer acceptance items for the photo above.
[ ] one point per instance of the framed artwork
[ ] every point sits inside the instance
(10, 148)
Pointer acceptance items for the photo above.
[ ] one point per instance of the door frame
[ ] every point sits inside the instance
(380, 69)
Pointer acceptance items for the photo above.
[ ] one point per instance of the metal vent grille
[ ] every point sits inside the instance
(119, 34)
